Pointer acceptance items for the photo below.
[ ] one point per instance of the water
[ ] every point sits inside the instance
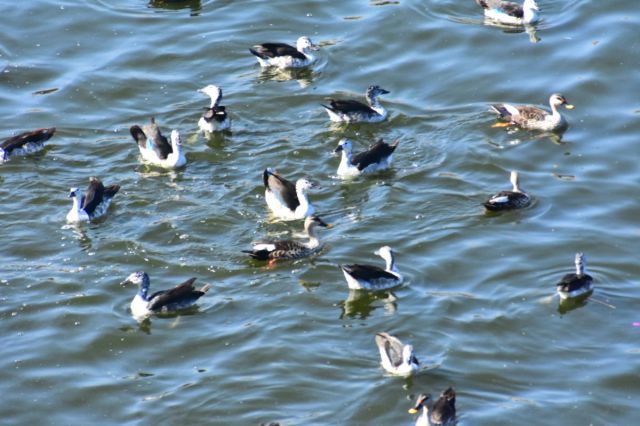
(291, 344)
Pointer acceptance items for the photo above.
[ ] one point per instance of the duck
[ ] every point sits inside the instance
(93, 204)
(370, 277)
(215, 118)
(533, 118)
(397, 358)
(155, 148)
(25, 143)
(510, 13)
(509, 200)
(377, 157)
(290, 249)
(351, 111)
(287, 201)
(164, 301)
(440, 413)
(282, 55)
(578, 284)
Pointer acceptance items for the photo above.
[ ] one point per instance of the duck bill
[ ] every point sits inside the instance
(413, 410)
(314, 47)
(569, 106)
(338, 149)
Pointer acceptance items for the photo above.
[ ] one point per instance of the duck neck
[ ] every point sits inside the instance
(346, 158)
(530, 11)
(579, 266)
(307, 53)
(373, 101)
(313, 238)
(554, 110)
(215, 100)
(302, 198)
(391, 264)
(76, 201)
(144, 287)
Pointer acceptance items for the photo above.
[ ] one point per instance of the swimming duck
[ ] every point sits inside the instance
(397, 358)
(163, 301)
(442, 412)
(24, 143)
(156, 149)
(282, 55)
(93, 204)
(506, 12)
(351, 111)
(290, 249)
(215, 118)
(578, 284)
(531, 117)
(377, 157)
(287, 201)
(507, 200)
(369, 277)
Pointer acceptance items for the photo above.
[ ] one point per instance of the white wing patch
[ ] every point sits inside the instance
(268, 247)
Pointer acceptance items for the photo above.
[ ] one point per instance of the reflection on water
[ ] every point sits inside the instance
(304, 76)
(568, 305)
(194, 5)
(511, 29)
(360, 304)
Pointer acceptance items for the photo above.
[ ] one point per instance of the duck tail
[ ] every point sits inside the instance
(500, 110)
(138, 135)
(257, 254)
(256, 53)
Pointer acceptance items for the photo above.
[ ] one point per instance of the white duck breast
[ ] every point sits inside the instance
(282, 55)
(215, 118)
(25, 144)
(377, 157)
(164, 301)
(156, 149)
(532, 117)
(290, 249)
(369, 277)
(286, 200)
(510, 13)
(93, 204)
(351, 111)
(396, 357)
(578, 284)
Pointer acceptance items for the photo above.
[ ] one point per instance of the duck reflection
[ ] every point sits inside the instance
(194, 5)
(360, 304)
(304, 76)
(568, 305)
(531, 30)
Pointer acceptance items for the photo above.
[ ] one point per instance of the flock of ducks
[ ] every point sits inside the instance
(289, 201)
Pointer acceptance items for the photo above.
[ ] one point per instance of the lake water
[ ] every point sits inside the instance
(292, 344)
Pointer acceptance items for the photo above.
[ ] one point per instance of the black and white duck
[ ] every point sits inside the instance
(510, 13)
(24, 144)
(370, 277)
(290, 249)
(439, 413)
(93, 203)
(156, 149)
(377, 157)
(352, 111)
(215, 118)
(577, 284)
(532, 117)
(164, 301)
(287, 201)
(282, 55)
(396, 357)
(509, 200)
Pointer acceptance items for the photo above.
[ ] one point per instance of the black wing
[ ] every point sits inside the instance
(375, 154)
(444, 409)
(351, 106)
(138, 135)
(284, 188)
(512, 9)
(37, 136)
(216, 113)
(161, 145)
(571, 282)
(367, 272)
(94, 195)
(273, 50)
(182, 293)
